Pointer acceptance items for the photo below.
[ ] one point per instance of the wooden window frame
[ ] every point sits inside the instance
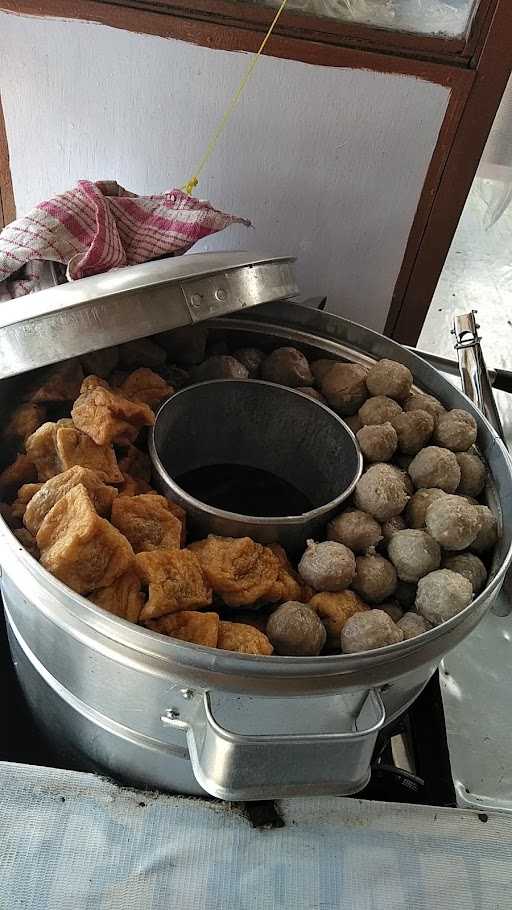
(7, 207)
(424, 258)
(236, 25)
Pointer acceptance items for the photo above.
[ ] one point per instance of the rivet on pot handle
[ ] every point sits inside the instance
(236, 766)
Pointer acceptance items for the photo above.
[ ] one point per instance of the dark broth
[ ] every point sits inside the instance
(246, 490)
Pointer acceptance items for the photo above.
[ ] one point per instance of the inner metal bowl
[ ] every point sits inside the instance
(259, 425)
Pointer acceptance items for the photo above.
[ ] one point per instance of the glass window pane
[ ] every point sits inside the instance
(447, 18)
(477, 273)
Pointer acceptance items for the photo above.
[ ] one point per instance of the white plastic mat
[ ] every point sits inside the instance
(71, 841)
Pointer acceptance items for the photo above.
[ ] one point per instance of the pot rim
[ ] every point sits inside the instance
(281, 521)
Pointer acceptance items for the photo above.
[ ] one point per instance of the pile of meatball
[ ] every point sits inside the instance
(410, 550)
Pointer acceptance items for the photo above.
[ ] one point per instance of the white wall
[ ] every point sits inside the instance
(327, 163)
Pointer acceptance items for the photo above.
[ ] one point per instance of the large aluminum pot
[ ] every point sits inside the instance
(166, 714)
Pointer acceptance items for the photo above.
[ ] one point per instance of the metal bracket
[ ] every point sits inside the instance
(472, 368)
(207, 297)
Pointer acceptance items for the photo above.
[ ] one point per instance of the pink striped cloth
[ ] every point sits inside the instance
(100, 226)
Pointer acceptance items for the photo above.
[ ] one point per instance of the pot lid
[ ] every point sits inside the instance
(134, 302)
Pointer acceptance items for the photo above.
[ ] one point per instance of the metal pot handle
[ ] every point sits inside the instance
(237, 766)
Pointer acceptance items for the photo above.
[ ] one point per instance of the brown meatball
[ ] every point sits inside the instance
(416, 509)
(412, 624)
(378, 410)
(344, 387)
(327, 566)
(413, 430)
(403, 461)
(435, 467)
(453, 522)
(407, 482)
(455, 430)
(220, 366)
(472, 474)
(375, 578)
(143, 352)
(313, 393)
(334, 610)
(420, 401)
(388, 377)
(470, 566)
(175, 376)
(287, 366)
(405, 594)
(393, 609)
(251, 358)
(488, 534)
(368, 631)
(381, 492)
(353, 422)
(356, 529)
(100, 363)
(320, 368)
(294, 629)
(378, 443)
(414, 554)
(186, 344)
(391, 526)
(441, 595)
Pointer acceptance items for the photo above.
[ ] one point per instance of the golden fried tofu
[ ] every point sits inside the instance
(15, 475)
(123, 597)
(288, 585)
(334, 610)
(235, 636)
(240, 571)
(106, 416)
(24, 421)
(56, 383)
(254, 618)
(41, 449)
(181, 515)
(100, 363)
(76, 448)
(117, 378)
(7, 513)
(93, 382)
(55, 447)
(46, 495)
(81, 549)
(134, 486)
(136, 463)
(146, 386)
(147, 522)
(25, 494)
(142, 352)
(189, 625)
(175, 580)
(28, 541)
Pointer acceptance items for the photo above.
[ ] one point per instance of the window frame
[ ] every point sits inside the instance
(201, 23)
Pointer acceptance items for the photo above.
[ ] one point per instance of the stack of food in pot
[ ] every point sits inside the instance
(409, 552)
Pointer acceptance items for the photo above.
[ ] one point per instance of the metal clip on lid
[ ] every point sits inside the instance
(472, 368)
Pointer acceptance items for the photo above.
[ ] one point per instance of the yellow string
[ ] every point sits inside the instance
(192, 183)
